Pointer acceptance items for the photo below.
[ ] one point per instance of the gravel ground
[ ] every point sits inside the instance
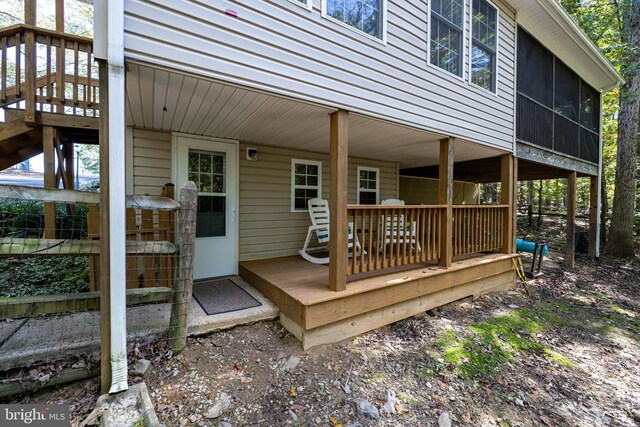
(567, 354)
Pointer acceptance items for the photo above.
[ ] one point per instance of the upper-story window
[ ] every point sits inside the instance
(364, 15)
(446, 35)
(303, 3)
(484, 43)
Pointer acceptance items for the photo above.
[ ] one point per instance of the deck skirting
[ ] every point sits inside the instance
(317, 315)
(350, 327)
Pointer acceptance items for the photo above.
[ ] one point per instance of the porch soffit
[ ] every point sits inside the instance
(171, 101)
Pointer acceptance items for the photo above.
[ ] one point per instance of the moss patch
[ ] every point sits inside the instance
(483, 348)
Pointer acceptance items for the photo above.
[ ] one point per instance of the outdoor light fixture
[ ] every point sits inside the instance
(252, 154)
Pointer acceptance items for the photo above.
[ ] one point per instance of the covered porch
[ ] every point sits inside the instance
(450, 248)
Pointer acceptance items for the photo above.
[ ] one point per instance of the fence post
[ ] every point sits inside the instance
(183, 284)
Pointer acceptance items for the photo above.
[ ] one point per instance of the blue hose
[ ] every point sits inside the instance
(525, 246)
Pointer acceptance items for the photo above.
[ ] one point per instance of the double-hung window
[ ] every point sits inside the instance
(484, 42)
(364, 15)
(304, 3)
(306, 183)
(368, 185)
(447, 35)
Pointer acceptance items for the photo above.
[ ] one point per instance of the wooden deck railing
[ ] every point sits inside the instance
(48, 71)
(477, 228)
(390, 236)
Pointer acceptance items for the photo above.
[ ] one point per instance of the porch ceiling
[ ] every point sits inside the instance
(171, 101)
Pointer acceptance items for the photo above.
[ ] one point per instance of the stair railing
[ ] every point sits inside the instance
(47, 71)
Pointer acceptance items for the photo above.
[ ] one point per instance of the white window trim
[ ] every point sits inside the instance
(470, 48)
(383, 28)
(465, 44)
(366, 190)
(306, 187)
(308, 6)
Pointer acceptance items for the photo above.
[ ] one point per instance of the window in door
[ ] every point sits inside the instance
(207, 171)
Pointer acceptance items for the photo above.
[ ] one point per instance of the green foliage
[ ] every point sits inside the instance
(26, 219)
(489, 345)
(43, 276)
(431, 367)
(90, 159)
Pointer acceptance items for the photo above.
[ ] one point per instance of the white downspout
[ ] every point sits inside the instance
(117, 192)
(599, 184)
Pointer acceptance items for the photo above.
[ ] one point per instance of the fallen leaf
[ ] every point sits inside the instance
(238, 367)
(466, 417)
(292, 392)
(400, 409)
(335, 422)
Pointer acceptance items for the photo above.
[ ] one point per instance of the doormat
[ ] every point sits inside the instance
(222, 296)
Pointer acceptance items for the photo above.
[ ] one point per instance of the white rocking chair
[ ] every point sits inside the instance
(319, 213)
(397, 229)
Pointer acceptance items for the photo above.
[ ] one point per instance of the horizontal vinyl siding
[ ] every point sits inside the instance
(280, 47)
(268, 228)
(151, 161)
(419, 191)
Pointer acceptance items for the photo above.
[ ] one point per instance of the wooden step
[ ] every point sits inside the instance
(21, 147)
(13, 129)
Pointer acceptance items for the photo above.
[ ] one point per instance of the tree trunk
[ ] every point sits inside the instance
(620, 242)
(530, 203)
(540, 205)
(604, 208)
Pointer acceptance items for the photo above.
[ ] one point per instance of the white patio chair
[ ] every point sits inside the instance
(319, 213)
(397, 230)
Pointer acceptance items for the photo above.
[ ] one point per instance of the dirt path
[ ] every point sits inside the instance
(566, 355)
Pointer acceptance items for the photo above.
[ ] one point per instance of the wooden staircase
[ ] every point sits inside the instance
(50, 97)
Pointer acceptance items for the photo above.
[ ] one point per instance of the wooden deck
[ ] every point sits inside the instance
(318, 315)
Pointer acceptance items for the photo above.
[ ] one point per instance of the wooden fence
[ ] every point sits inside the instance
(158, 255)
(143, 225)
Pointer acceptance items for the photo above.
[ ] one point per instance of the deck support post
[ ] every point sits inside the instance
(338, 226)
(571, 219)
(445, 197)
(507, 198)
(68, 149)
(30, 12)
(48, 150)
(593, 217)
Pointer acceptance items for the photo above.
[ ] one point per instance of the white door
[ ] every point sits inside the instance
(212, 164)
